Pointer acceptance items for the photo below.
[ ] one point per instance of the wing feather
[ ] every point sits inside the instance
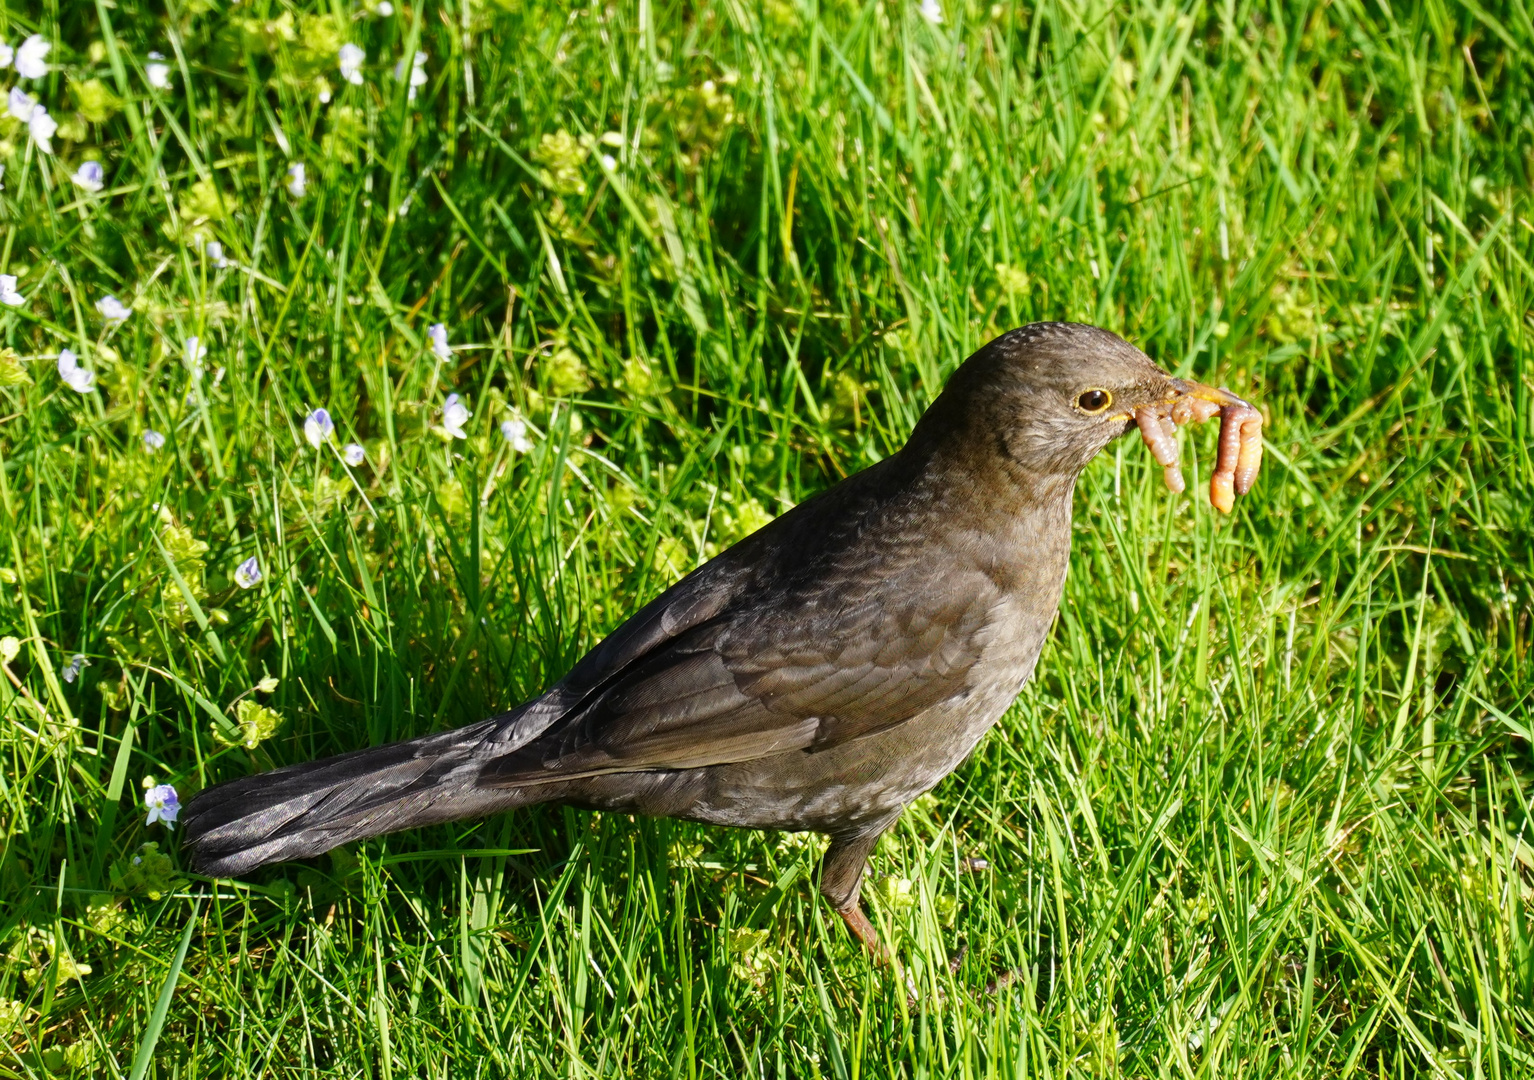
(850, 641)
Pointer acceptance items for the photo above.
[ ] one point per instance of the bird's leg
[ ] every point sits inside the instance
(841, 880)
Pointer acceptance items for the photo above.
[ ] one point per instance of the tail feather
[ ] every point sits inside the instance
(305, 810)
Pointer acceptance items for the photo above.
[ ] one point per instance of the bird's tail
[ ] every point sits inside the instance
(305, 810)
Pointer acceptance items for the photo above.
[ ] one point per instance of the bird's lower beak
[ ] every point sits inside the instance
(1188, 388)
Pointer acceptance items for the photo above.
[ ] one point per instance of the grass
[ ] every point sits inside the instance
(1264, 811)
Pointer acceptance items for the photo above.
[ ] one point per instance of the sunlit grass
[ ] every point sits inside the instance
(1266, 808)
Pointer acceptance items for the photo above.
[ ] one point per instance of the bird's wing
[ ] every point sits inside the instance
(814, 667)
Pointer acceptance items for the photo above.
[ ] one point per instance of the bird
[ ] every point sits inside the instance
(819, 675)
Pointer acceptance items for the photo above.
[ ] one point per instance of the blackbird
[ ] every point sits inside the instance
(818, 675)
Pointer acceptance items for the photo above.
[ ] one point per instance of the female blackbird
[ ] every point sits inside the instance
(819, 675)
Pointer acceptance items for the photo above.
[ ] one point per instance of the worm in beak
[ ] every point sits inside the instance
(1240, 453)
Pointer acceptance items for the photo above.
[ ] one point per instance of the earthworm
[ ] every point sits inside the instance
(1192, 410)
(1240, 447)
(1240, 453)
(1159, 436)
(1249, 459)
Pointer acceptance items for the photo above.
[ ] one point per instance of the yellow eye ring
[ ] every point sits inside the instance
(1094, 401)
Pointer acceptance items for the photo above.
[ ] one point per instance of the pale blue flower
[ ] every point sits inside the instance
(454, 415)
(112, 309)
(318, 427)
(163, 805)
(89, 176)
(77, 663)
(354, 454)
(515, 432)
(157, 72)
(32, 57)
(298, 182)
(8, 294)
(194, 352)
(153, 440)
(215, 252)
(41, 127)
(351, 58)
(78, 379)
(7, 54)
(417, 72)
(20, 104)
(248, 574)
(438, 335)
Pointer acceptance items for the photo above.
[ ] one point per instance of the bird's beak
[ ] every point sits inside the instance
(1188, 388)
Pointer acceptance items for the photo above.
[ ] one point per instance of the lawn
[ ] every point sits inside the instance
(589, 293)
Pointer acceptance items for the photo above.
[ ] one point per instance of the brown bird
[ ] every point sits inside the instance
(819, 675)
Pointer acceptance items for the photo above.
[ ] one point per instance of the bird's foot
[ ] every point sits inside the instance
(937, 997)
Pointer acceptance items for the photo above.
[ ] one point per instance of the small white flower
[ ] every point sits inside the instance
(324, 92)
(248, 574)
(88, 176)
(8, 293)
(7, 54)
(354, 454)
(153, 440)
(157, 72)
(42, 126)
(609, 162)
(215, 252)
(112, 309)
(318, 427)
(385, 9)
(77, 663)
(32, 57)
(78, 379)
(163, 805)
(351, 58)
(298, 183)
(515, 431)
(932, 11)
(194, 352)
(417, 72)
(454, 415)
(438, 334)
(20, 104)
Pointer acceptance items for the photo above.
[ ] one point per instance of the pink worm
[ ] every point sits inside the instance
(1240, 448)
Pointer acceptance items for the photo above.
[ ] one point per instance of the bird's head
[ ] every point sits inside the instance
(1050, 396)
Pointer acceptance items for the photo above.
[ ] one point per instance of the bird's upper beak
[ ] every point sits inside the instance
(1180, 389)
(1188, 388)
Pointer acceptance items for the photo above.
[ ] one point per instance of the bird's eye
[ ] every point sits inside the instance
(1094, 401)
